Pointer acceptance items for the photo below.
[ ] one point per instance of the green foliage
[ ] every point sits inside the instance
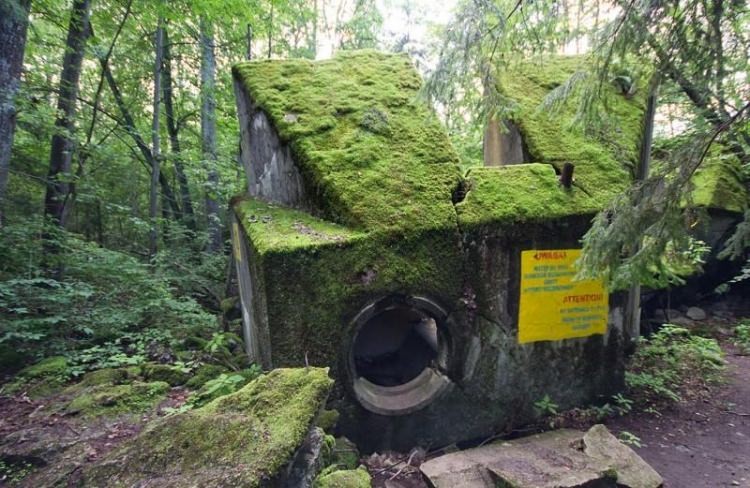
(135, 397)
(361, 30)
(12, 472)
(671, 363)
(630, 439)
(107, 305)
(546, 406)
(742, 337)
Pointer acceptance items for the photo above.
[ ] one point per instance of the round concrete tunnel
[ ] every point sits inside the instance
(398, 350)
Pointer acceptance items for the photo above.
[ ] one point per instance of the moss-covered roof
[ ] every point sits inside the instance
(603, 161)
(371, 153)
(375, 159)
(720, 184)
(520, 193)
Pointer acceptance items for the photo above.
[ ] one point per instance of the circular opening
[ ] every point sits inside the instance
(397, 354)
(395, 346)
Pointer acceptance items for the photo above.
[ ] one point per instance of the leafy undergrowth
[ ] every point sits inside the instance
(742, 337)
(673, 365)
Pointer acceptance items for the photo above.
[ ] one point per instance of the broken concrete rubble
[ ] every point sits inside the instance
(557, 459)
(251, 438)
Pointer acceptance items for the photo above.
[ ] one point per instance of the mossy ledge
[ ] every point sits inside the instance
(244, 439)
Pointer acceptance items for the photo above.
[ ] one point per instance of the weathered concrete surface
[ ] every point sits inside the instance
(558, 459)
(269, 166)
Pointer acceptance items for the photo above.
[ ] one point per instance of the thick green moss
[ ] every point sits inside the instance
(43, 378)
(279, 229)
(719, 184)
(164, 372)
(107, 376)
(351, 478)
(371, 154)
(205, 373)
(243, 439)
(603, 160)
(327, 420)
(520, 193)
(136, 397)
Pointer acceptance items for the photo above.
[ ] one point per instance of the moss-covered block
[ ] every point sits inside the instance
(243, 439)
(41, 379)
(108, 376)
(383, 213)
(173, 375)
(136, 397)
(203, 374)
(520, 194)
(350, 478)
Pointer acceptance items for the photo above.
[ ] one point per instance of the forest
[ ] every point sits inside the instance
(168, 320)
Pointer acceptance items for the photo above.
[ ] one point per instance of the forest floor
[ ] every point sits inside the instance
(704, 442)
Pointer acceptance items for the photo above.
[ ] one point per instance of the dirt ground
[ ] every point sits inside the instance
(704, 443)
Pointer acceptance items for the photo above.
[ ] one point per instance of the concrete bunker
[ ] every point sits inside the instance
(350, 244)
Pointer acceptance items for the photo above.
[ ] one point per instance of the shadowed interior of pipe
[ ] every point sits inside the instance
(395, 346)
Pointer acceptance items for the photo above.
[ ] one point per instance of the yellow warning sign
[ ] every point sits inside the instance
(554, 307)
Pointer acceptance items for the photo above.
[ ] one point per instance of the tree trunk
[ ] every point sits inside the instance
(14, 19)
(208, 133)
(633, 307)
(174, 141)
(153, 200)
(270, 31)
(249, 39)
(142, 146)
(61, 152)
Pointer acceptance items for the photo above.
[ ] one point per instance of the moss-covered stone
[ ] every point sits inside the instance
(107, 376)
(344, 454)
(43, 378)
(350, 478)
(164, 372)
(244, 439)
(136, 397)
(327, 420)
(204, 373)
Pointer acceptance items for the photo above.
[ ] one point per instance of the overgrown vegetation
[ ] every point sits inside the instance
(742, 337)
(672, 364)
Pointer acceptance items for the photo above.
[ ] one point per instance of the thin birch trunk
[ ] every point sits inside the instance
(153, 202)
(208, 133)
